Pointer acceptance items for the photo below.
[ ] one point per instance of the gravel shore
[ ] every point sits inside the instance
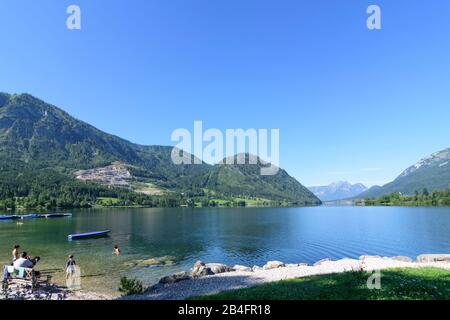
(51, 292)
(230, 280)
(244, 279)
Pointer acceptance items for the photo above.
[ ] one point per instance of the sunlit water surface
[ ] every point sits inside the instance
(232, 236)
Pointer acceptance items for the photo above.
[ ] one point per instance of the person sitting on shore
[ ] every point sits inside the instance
(116, 250)
(15, 253)
(70, 267)
(23, 262)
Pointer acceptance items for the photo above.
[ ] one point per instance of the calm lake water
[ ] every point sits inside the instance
(244, 236)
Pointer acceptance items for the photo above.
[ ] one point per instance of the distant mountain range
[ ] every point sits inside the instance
(432, 173)
(338, 191)
(44, 150)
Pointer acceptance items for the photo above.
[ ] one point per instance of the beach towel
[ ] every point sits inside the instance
(21, 272)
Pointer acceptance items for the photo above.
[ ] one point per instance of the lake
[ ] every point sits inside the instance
(246, 236)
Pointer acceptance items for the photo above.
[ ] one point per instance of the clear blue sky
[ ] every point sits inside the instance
(351, 104)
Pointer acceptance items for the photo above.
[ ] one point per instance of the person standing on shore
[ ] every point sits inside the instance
(15, 253)
(70, 267)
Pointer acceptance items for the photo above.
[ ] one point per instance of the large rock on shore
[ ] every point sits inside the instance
(218, 267)
(402, 258)
(273, 265)
(369, 257)
(242, 268)
(200, 270)
(177, 277)
(433, 258)
(295, 265)
(318, 263)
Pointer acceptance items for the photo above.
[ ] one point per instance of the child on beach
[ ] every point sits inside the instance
(70, 267)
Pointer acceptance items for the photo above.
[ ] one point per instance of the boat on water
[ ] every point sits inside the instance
(57, 215)
(9, 217)
(30, 216)
(88, 235)
(40, 216)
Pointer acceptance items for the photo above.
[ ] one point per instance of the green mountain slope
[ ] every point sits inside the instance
(40, 142)
(245, 180)
(432, 173)
(40, 135)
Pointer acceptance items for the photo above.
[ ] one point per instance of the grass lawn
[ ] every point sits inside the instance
(396, 284)
(105, 201)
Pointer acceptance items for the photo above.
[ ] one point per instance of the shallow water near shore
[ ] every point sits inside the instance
(247, 236)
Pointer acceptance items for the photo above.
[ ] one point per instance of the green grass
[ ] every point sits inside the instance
(104, 200)
(396, 284)
(250, 202)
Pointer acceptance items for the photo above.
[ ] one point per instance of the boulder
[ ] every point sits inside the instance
(200, 270)
(302, 264)
(369, 257)
(320, 262)
(291, 265)
(273, 265)
(203, 272)
(433, 258)
(218, 268)
(402, 258)
(197, 266)
(242, 268)
(177, 277)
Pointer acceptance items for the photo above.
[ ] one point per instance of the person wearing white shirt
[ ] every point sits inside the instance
(23, 262)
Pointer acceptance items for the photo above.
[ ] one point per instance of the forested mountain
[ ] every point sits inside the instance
(245, 180)
(431, 173)
(49, 158)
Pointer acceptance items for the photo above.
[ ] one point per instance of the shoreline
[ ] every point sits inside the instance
(27, 210)
(31, 210)
(64, 210)
(240, 277)
(210, 278)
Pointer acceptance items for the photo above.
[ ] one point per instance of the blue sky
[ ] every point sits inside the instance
(350, 103)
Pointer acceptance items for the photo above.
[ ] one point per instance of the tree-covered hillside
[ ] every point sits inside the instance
(424, 198)
(42, 148)
(431, 173)
(245, 180)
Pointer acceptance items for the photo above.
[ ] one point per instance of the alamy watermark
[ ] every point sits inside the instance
(212, 146)
(73, 22)
(374, 280)
(374, 20)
